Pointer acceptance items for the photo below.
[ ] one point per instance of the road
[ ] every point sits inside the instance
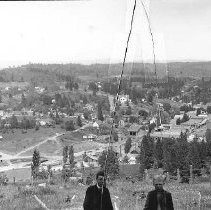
(7, 158)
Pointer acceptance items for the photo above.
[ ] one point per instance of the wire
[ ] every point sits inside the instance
(152, 39)
(119, 86)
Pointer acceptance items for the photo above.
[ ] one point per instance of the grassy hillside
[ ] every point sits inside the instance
(125, 194)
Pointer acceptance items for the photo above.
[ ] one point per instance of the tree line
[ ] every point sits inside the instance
(172, 154)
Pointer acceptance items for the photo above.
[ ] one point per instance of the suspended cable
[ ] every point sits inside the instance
(119, 87)
(152, 39)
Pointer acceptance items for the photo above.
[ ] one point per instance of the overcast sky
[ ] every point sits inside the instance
(96, 31)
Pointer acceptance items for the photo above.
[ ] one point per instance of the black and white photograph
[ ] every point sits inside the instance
(105, 105)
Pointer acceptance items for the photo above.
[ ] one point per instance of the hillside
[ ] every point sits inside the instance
(55, 72)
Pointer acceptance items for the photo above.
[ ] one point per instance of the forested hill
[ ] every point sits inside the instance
(53, 72)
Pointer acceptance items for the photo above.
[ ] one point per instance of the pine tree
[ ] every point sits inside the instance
(170, 155)
(178, 121)
(57, 118)
(182, 152)
(65, 154)
(108, 160)
(79, 122)
(128, 145)
(99, 112)
(145, 157)
(198, 112)
(71, 159)
(35, 163)
(23, 100)
(76, 86)
(115, 136)
(158, 151)
(194, 155)
(71, 155)
(203, 152)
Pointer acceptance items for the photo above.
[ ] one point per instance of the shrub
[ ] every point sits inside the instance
(46, 191)
(3, 179)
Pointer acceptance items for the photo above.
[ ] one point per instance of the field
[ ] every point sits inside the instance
(13, 143)
(124, 194)
(19, 174)
(13, 84)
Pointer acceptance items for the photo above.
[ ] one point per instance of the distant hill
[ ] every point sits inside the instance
(55, 72)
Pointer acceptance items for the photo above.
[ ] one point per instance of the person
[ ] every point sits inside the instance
(159, 199)
(98, 196)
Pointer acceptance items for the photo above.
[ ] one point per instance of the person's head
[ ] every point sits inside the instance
(158, 182)
(100, 178)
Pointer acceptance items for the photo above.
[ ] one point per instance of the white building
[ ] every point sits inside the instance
(123, 98)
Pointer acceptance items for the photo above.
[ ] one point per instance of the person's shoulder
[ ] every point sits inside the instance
(151, 192)
(167, 193)
(91, 188)
(106, 189)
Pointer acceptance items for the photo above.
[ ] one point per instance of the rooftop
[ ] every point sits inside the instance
(134, 128)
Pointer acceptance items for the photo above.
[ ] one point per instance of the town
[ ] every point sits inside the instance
(66, 126)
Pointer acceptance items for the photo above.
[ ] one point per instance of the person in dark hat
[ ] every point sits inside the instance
(159, 199)
(98, 196)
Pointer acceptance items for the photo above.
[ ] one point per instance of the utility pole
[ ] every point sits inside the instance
(191, 174)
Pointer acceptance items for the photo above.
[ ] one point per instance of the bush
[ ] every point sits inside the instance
(3, 179)
(43, 174)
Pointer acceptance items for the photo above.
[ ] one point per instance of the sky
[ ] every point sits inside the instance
(96, 31)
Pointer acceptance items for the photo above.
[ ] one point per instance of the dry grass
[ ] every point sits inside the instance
(17, 141)
(13, 84)
(122, 192)
(50, 148)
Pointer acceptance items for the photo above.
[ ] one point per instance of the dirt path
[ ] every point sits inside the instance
(53, 138)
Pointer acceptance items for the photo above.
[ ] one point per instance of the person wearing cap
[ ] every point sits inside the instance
(98, 196)
(159, 199)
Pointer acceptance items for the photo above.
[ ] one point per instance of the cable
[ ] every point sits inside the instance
(152, 39)
(119, 86)
(153, 50)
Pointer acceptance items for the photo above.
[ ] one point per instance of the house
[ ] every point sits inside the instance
(95, 125)
(123, 98)
(90, 137)
(7, 125)
(121, 123)
(135, 130)
(132, 160)
(89, 107)
(46, 122)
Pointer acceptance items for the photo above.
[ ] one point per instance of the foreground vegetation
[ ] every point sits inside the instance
(125, 194)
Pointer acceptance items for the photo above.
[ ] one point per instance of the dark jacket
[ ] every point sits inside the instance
(92, 199)
(151, 202)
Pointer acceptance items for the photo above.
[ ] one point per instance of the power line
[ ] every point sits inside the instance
(152, 39)
(120, 82)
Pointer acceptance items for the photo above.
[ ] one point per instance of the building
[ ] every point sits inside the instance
(123, 98)
(166, 134)
(136, 130)
(90, 137)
